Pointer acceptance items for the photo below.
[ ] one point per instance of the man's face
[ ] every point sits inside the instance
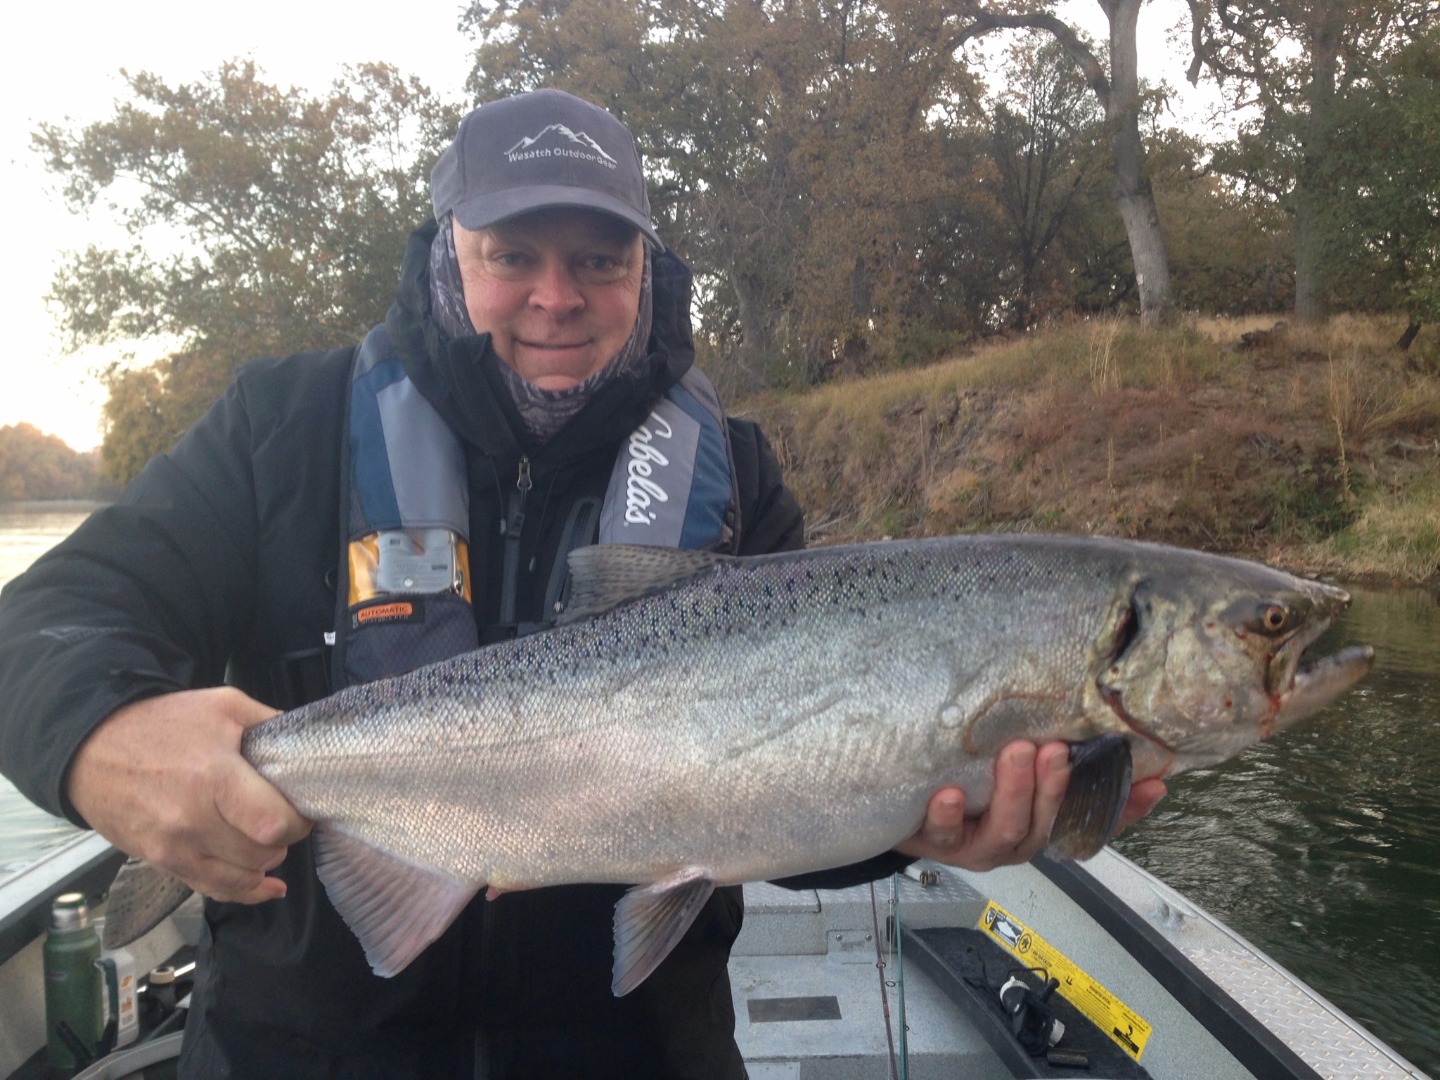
(557, 290)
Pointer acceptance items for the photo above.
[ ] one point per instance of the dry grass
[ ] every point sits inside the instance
(1339, 334)
(1396, 536)
(1374, 396)
(1099, 426)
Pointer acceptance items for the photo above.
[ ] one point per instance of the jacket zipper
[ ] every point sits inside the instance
(514, 525)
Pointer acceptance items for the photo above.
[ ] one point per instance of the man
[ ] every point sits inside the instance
(342, 516)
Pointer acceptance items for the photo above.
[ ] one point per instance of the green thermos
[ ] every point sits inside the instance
(74, 992)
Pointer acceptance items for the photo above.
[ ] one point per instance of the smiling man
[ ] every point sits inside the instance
(557, 291)
(343, 516)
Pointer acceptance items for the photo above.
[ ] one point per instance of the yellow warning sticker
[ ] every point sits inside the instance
(1100, 1006)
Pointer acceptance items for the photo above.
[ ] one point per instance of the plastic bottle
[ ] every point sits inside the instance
(74, 991)
(121, 986)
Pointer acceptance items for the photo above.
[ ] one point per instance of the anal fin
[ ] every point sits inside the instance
(1100, 774)
(395, 907)
(650, 920)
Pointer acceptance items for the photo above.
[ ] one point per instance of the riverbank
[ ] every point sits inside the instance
(1315, 449)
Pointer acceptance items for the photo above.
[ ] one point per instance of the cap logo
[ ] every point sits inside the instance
(563, 143)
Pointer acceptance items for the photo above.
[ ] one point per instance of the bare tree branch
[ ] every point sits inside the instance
(985, 22)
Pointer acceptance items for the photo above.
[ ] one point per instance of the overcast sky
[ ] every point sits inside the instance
(64, 64)
(57, 72)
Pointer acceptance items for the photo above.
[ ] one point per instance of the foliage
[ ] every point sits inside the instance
(1046, 140)
(1386, 214)
(263, 221)
(34, 465)
(1302, 67)
(1229, 254)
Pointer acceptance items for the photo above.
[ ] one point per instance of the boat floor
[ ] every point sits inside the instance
(813, 1003)
(809, 1003)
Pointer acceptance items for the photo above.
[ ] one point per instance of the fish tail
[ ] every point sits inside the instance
(141, 898)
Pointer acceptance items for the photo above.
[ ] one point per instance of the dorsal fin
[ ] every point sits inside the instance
(604, 576)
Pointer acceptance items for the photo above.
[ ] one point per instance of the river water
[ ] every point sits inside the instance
(1322, 847)
(27, 531)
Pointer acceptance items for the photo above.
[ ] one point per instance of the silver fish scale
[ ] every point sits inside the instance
(778, 716)
(766, 717)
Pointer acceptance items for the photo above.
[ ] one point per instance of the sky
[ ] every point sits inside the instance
(72, 76)
(54, 74)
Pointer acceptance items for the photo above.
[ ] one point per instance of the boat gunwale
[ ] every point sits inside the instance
(86, 863)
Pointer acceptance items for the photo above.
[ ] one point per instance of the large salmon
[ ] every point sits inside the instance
(700, 720)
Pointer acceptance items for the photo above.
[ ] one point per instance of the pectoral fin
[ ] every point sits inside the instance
(1100, 772)
(395, 907)
(650, 920)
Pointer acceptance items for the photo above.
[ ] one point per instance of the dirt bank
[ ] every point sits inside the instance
(1277, 452)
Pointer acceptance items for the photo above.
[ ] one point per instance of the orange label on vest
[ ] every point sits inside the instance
(385, 612)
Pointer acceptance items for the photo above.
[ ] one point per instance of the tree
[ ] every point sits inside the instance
(1298, 64)
(1118, 92)
(1044, 128)
(34, 465)
(263, 221)
(1386, 215)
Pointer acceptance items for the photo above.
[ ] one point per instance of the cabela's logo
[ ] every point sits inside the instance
(645, 458)
(557, 140)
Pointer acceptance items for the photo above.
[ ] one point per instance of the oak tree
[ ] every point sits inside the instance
(262, 221)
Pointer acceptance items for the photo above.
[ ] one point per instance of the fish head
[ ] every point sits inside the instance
(1206, 661)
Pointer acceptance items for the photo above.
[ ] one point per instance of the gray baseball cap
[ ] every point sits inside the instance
(543, 148)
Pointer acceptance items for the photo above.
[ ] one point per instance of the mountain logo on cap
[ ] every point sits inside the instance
(567, 143)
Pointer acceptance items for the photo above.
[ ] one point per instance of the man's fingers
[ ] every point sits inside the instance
(220, 880)
(1007, 824)
(246, 800)
(260, 815)
(1052, 780)
(246, 711)
(944, 817)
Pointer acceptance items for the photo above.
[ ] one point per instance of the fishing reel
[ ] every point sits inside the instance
(1033, 1023)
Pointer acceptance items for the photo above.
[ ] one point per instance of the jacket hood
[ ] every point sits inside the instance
(461, 378)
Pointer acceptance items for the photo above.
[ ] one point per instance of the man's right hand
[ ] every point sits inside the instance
(164, 779)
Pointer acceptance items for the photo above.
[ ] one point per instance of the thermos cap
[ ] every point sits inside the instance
(69, 912)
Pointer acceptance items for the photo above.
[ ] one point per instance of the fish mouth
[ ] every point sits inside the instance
(1316, 682)
(1299, 684)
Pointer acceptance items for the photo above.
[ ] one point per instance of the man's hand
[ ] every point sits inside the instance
(1029, 787)
(164, 779)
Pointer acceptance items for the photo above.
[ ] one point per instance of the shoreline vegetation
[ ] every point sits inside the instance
(1313, 448)
(1316, 449)
(36, 467)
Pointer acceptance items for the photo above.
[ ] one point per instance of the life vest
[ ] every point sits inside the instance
(404, 591)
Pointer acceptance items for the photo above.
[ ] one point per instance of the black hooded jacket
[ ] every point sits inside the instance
(218, 565)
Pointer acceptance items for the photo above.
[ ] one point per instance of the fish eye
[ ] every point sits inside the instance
(1272, 619)
(1265, 617)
